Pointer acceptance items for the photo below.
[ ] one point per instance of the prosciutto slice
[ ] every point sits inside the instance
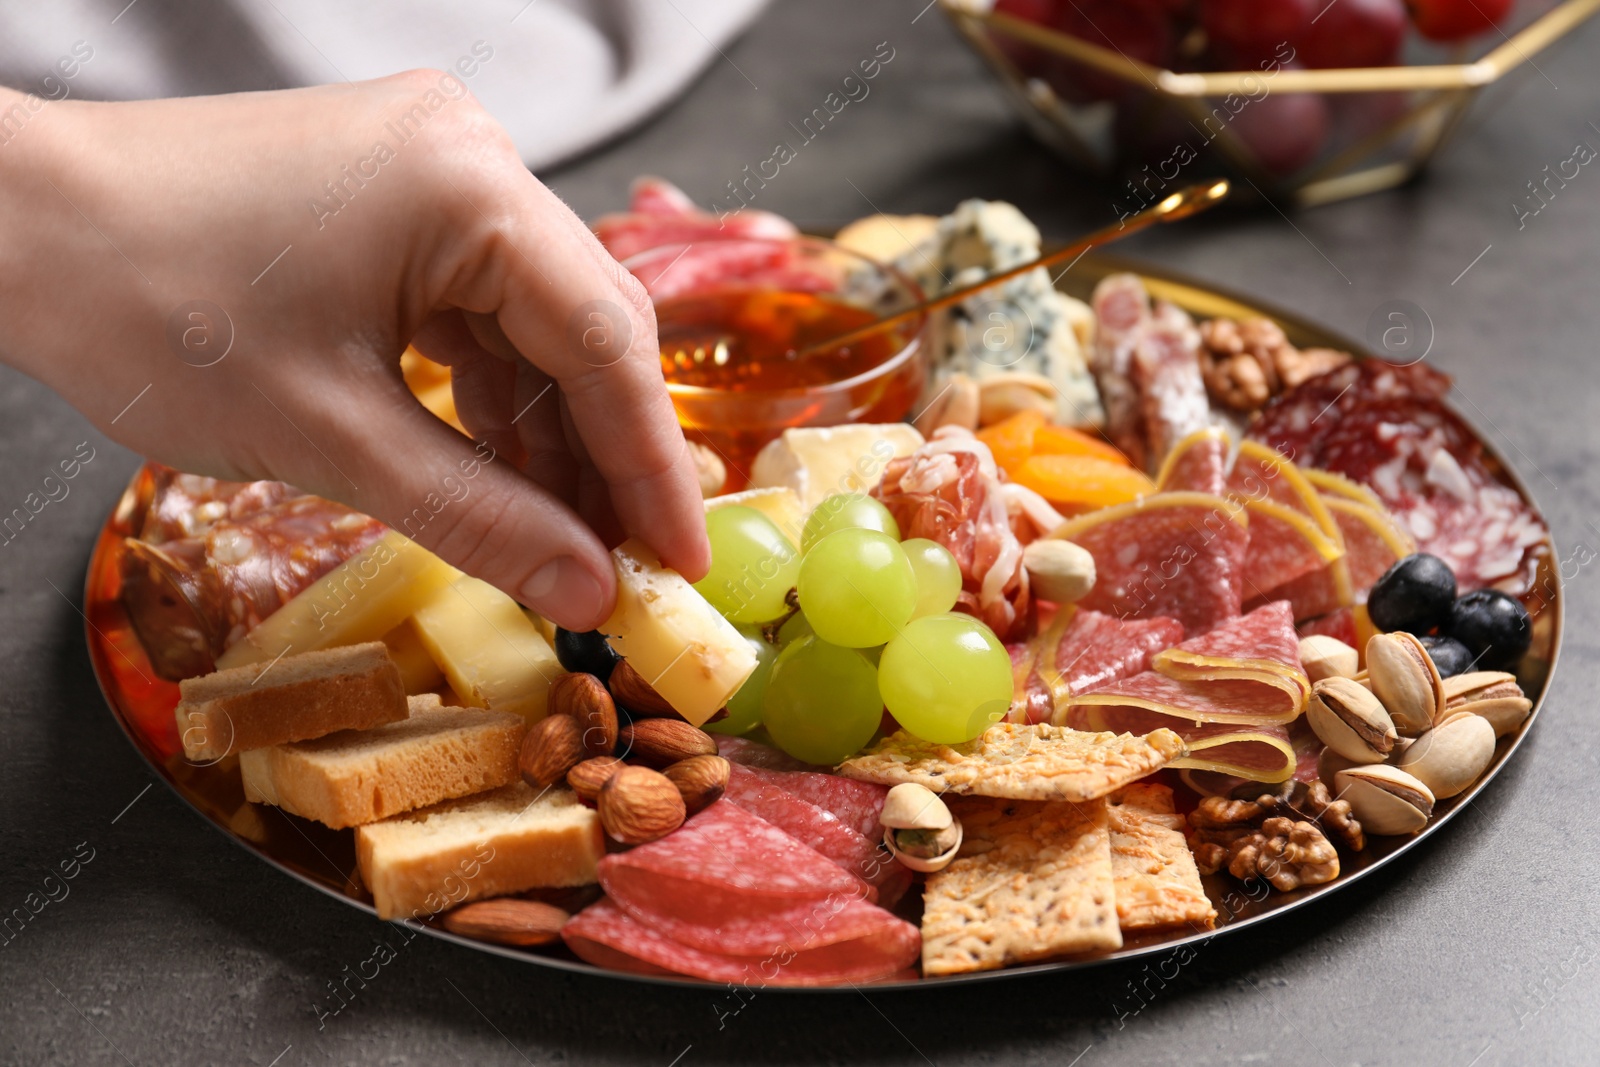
(1229, 694)
(949, 491)
(661, 214)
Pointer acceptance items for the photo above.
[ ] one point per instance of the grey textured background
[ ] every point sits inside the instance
(174, 946)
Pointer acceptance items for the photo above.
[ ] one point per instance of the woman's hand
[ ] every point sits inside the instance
(226, 284)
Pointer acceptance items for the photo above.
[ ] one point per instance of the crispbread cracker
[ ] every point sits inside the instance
(1033, 881)
(1018, 761)
(1157, 883)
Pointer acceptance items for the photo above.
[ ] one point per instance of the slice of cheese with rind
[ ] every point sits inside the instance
(493, 655)
(673, 637)
(360, 600)
(819, 461)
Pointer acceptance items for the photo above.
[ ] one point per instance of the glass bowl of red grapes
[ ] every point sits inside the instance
(1309, 100)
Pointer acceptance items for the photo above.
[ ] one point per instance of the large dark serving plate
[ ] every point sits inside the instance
(325, 859)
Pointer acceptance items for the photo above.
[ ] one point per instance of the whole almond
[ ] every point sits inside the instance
(630, 689)
(700, 779)
(587, 777)
(507, 921)
(550, 749)
(638, 805)
(663, 742)
(584, 698)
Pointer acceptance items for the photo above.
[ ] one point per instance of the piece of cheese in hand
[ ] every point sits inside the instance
(360, 600)
(492, 653)
(673, 637)
(819, 461)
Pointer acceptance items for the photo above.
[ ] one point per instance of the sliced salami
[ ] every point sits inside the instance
(606, 935)
(177, 505)
(1178, 555)
(755, 754)
(1388, 428)
(1340, 624)
(192, 598)
(1197, 464)
(822, 830)
(856, 804)
(726, 881)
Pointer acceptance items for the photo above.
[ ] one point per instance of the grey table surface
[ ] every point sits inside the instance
(174, 946)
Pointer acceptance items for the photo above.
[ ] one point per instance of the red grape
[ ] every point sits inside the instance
(1355, 33)
(1455, 20)
(1247, 31)
(1132, 30)
(1285, 131)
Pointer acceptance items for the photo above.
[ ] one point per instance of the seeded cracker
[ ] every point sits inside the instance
(1020, 762)
(1157, 882)
(1033, 881)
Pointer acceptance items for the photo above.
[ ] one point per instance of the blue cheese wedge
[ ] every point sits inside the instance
(1023, 325)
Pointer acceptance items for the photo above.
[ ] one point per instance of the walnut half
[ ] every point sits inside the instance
(1277, 837)
(1247, 362)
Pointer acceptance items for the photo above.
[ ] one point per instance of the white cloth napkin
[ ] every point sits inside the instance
(562, 75)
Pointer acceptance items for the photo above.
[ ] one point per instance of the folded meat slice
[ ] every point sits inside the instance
(761, 794)
(727, 881)
(1146, 360)
(1178, 555)
(949, 491)
(1229, 694)
(1084, 650)
(661, 214)
(607, 936)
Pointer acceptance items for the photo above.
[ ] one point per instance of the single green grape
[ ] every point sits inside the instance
(794, 628)
(753, 566)
(821, 703)
(847, 511)
(744, 707)
(946, 678)
(938, 576)
(857, 588)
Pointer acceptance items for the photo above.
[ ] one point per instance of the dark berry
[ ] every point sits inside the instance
(1493, 626)
(587, 652)
(1413, 596)
(1448, 654)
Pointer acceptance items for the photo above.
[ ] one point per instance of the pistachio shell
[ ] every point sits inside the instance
(1452, 755)
(1350, 720)
(1328, 657)
(922, 864)
(1405, 679)
(1480, 685)
(1331, 763)
(909, 806)
(1505, 714)
(1386, 800)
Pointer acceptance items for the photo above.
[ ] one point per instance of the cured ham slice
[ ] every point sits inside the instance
(191, 598)
(607, 936)
(1088, 649)
(1228, 694)
(949, 491)
(1177, 555)
(1387, 427)
(1198, 463)
(661, 214)
(760, 794)
(1146, 359)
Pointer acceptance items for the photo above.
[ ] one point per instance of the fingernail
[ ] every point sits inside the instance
(565, 591)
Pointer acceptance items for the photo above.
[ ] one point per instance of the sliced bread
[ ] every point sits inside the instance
(295, 698)
(361, 776)
(505, 841)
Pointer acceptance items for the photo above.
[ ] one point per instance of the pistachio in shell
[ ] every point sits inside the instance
(1350, 720)
(1451, 756)
(1403, 677)
(1386, 800)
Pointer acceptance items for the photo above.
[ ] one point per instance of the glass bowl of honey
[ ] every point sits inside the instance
(740, 321)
